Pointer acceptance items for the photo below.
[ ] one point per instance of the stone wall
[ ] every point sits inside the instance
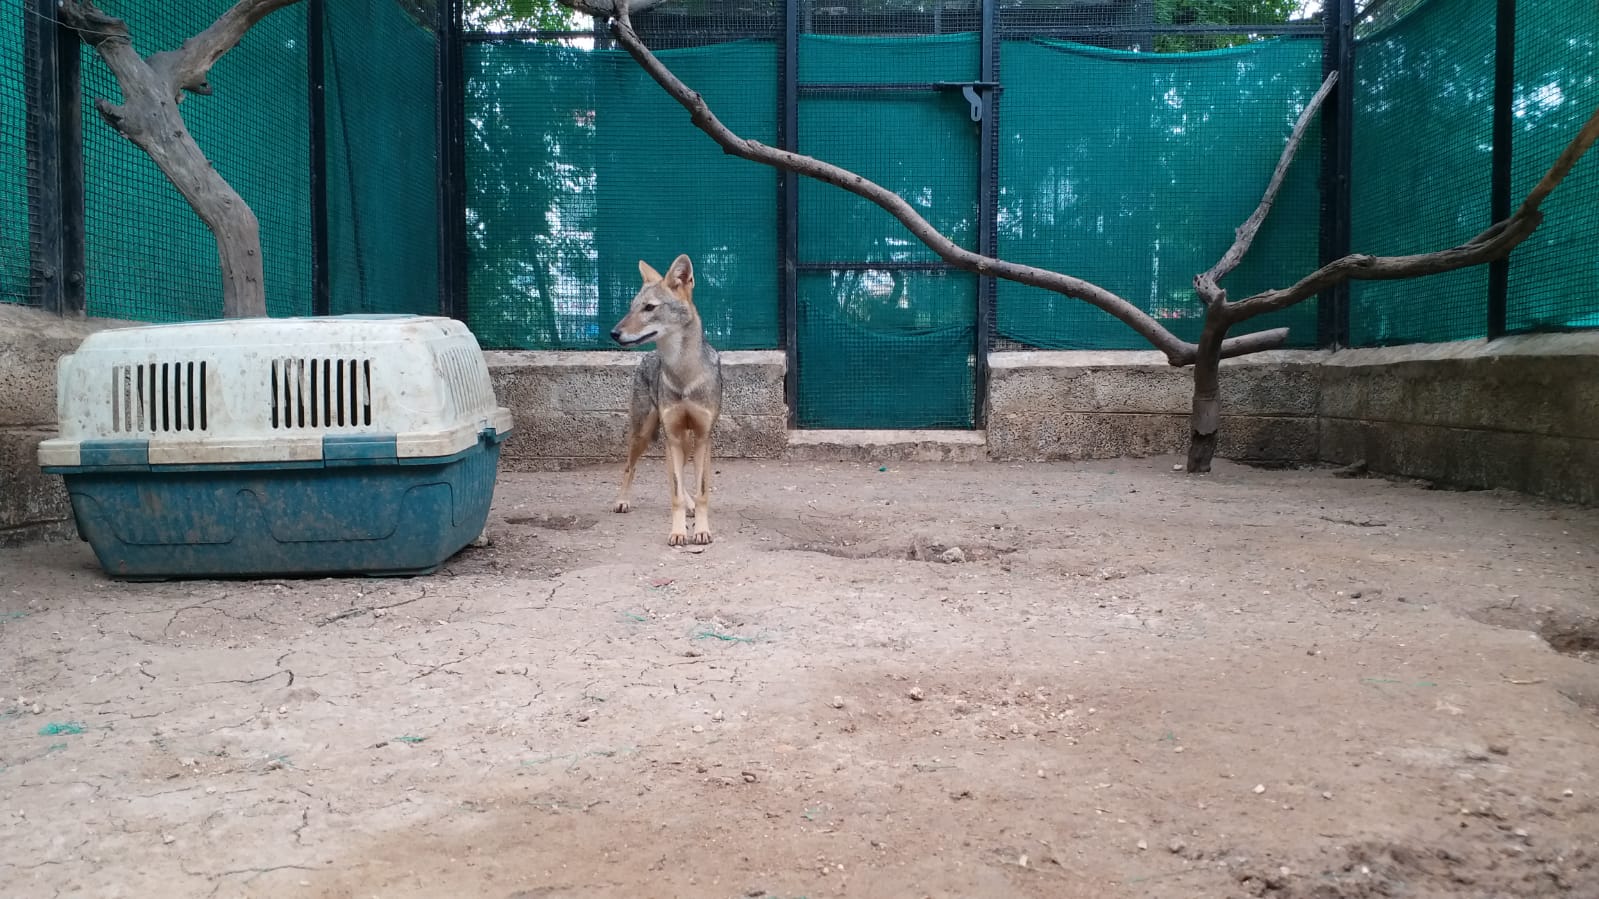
(1045, 406)
(1520, 413)
(571, 408)
(33, 505)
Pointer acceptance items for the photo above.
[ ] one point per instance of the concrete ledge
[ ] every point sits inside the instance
(1045, 406)
(571, 407)
(1521, 413)
(886, 446)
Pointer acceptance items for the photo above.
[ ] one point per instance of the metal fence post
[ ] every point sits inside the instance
(451, 118)
(55, 149)
(316, 75)
(1503, 148)
(788, 204)
(1337, 141)
(987, 207)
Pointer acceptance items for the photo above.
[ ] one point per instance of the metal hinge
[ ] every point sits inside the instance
(975, 93)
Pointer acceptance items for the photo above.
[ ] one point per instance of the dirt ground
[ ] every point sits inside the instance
(1127, 682)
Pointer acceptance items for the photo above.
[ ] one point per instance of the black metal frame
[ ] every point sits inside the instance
(316, 71)
(1503, 148)
(451, 110)
(987, 202)
(1337, 161)
(788, 94)
(55, 143)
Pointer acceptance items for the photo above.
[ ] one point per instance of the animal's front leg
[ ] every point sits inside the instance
(702, 505)
(674, 477)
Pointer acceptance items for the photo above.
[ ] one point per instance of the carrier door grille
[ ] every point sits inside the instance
(321, 394)
(159, 397)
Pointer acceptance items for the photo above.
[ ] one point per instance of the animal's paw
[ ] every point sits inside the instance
(622, 506)
(677, 538)
(701, 538)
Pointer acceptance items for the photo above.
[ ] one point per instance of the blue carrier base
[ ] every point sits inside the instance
(358, 511)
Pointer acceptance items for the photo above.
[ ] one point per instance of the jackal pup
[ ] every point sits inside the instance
(677, 388)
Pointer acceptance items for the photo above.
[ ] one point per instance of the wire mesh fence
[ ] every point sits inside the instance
(579, 166)
(1120, 142)
(1131, 170)
(1423, 167)
(382, 159)
(1554, 276)
(17, 236)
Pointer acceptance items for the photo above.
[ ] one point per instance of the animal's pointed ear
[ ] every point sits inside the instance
(680, 277)
(650, 275)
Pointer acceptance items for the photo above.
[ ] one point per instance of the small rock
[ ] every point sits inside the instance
(1260, 788)
(699, 728)
(1498, 749)
(1569, 793)
(1143, 845)
(916, 694)
(1177, 467)
(168, 838)
(692, 653)
(716, 716)
(37, 709)
(749, 777)
(953, 554)
(838, 702)
(1176, 847)
(1326, 795)
(1476, 755)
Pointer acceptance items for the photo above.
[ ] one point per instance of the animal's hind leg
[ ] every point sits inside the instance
(641, 428)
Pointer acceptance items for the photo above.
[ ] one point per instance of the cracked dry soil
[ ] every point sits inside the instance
(1137, 684)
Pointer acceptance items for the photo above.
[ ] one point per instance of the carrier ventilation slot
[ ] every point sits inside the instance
(469, 391)
(321, 393)
(159, 397)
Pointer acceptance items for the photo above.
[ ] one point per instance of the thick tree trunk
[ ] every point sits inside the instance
(232, 222)
(149, 117)
(1205, 419)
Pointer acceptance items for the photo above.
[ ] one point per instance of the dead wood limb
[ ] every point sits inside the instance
(1492, 244)
(1208, 284)
(148, 116)
(1178, 352)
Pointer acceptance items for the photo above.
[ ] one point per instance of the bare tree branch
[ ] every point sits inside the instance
(188, 67)
(1178, 352)
(149, 117)
(1209, 284)
(1493, 244)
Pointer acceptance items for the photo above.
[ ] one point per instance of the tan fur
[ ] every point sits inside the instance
(677, 388)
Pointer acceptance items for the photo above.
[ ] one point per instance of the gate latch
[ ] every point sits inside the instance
(974, 92)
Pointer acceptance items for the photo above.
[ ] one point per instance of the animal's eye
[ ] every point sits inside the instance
(649, 307)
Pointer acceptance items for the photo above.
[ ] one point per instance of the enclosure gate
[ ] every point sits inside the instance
(885, 333)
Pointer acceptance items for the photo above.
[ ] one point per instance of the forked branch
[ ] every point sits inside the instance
(1492, 244)
(1208, 284)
